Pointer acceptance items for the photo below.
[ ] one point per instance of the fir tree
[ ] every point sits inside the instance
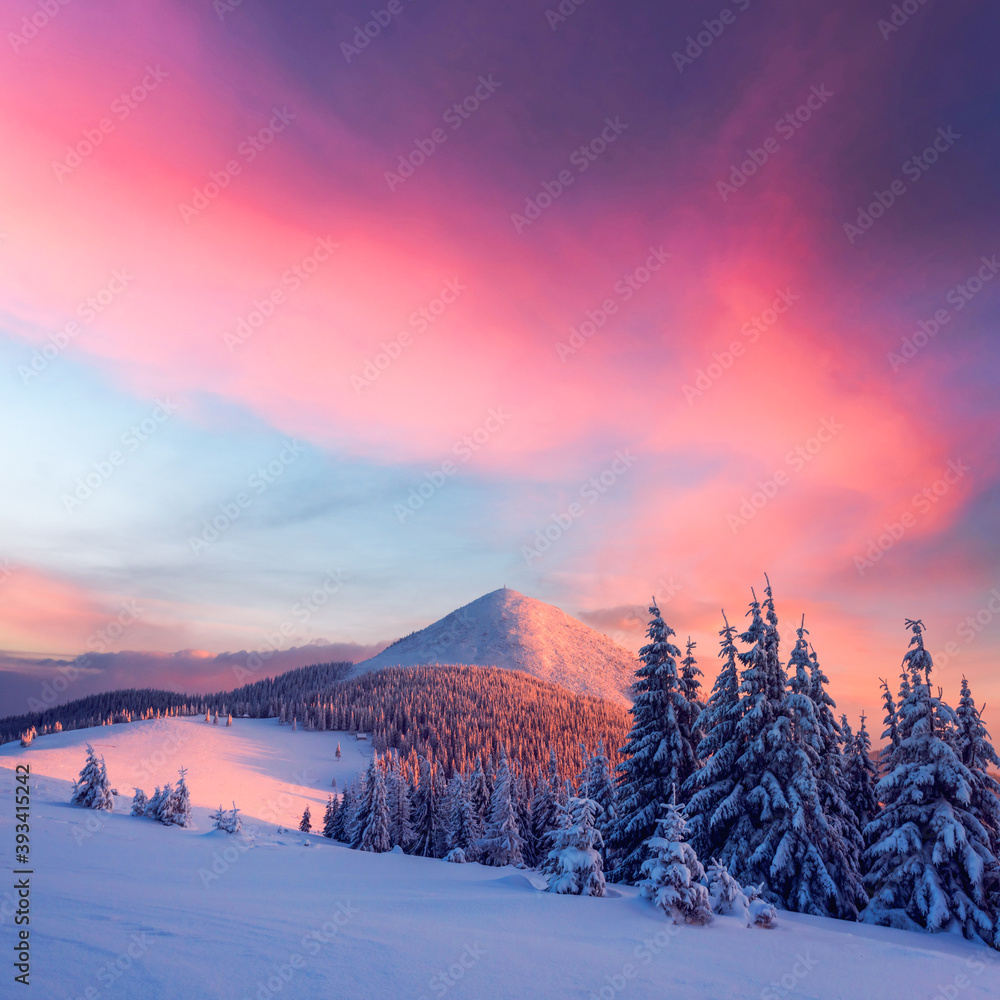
(158, 806)
(139, 802)
(330, 816)
(691, 687)
(479, 801)
(338, 749)
(92, 790)
(575, 856)
(713, 783)
(400, 811)
(339, 829)
(659, 754)
(227, 820)
(305, 824)
(672, 872)
(177, 808)
(425, 817)
(862, 776)
(599, 786)
(502, 842)
(543, 814)
(930, 853)
(458, 827)
(374, 816)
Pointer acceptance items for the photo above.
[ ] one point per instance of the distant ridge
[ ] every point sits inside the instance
(508, 630)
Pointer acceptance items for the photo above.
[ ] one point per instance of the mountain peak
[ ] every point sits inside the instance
(506, 629)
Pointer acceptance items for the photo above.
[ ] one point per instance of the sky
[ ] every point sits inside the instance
(320, 320)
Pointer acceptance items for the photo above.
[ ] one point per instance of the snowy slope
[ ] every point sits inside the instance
(259, 916)
(506, 629)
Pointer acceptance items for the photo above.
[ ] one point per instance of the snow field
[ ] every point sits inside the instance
(125, 907)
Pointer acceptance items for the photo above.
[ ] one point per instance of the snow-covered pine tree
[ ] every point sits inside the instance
(575, 852)
(599, 786)
(658, 756)
(692, 693)
(305, 824)
(139, 801)
(352, 823)
(976, 751)
(713, 783)
(400, 811)
(543, 812)
(92, 790)
(729, 898)
(458, 823)
(502, 842)
(178, 808)
(339, 830)
(672, 873)
(374, 815)
(726, 895)
(930, 853)
(479, 800)
(735, 823)
(797, 847)
(425, 808)
(522, 811)
(159, 805)
(330, 816)
(227, 820)
(845, 843)
(862, 776)
(338, 749)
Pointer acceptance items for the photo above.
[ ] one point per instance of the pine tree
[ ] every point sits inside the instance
(575, 854)
(543, 812)
(862, 776)
(400, 811)
(502, 842)
(158, 806)
(929, 852)
(92, 790)
(178, 806)
(330, 816)
(691, 687)
(522, 812)
(975, 750)
(844, 844)
(726, 895)
(736, 824)
(672, 873)
(352, 823)
(459, 833)
(599, 786)
(338, 749)
(659, 754)
(139, 802)
(712, 784)
(479, 801)
(425, 817)
(374, 816)
(305, 824)
(339, 828)
(227, 820)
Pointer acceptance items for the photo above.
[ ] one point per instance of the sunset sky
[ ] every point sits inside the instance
(395, 315)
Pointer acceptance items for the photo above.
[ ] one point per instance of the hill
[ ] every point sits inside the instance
(508, 630)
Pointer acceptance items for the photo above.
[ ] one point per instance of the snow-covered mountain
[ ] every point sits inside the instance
(506, 629)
